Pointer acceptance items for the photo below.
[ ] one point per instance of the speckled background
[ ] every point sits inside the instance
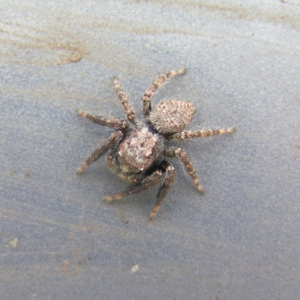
(240, 240)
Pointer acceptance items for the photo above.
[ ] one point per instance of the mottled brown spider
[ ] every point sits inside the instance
(137, 150)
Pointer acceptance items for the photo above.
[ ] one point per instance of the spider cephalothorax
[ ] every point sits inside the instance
(137, 150)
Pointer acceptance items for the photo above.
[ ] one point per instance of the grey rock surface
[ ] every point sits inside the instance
(240, 240)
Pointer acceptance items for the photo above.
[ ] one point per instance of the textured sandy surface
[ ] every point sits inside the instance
(240, 240)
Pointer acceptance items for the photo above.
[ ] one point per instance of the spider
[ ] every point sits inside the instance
(137, 150)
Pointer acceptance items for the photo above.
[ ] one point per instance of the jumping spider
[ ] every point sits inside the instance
(137, 150)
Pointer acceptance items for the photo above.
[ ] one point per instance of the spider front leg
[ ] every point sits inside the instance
(156, 84)
(124, 101)
(181, 154)
(145, 184)
(167, 183)
(113, 122)
(109, 143)
(184, 135)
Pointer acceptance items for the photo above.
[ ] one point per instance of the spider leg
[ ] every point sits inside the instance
(110, 161)
(145, 184)
(152, 88)
(167, 183)
(124, 101)
(184, 135)
(181, 154)
(113, 123)
(110, 142)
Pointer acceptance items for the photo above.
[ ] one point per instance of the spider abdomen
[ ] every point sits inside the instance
(171, 116)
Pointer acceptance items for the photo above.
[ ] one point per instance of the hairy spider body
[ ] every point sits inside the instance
(137, 150)
(171, 116)
(136, 153)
